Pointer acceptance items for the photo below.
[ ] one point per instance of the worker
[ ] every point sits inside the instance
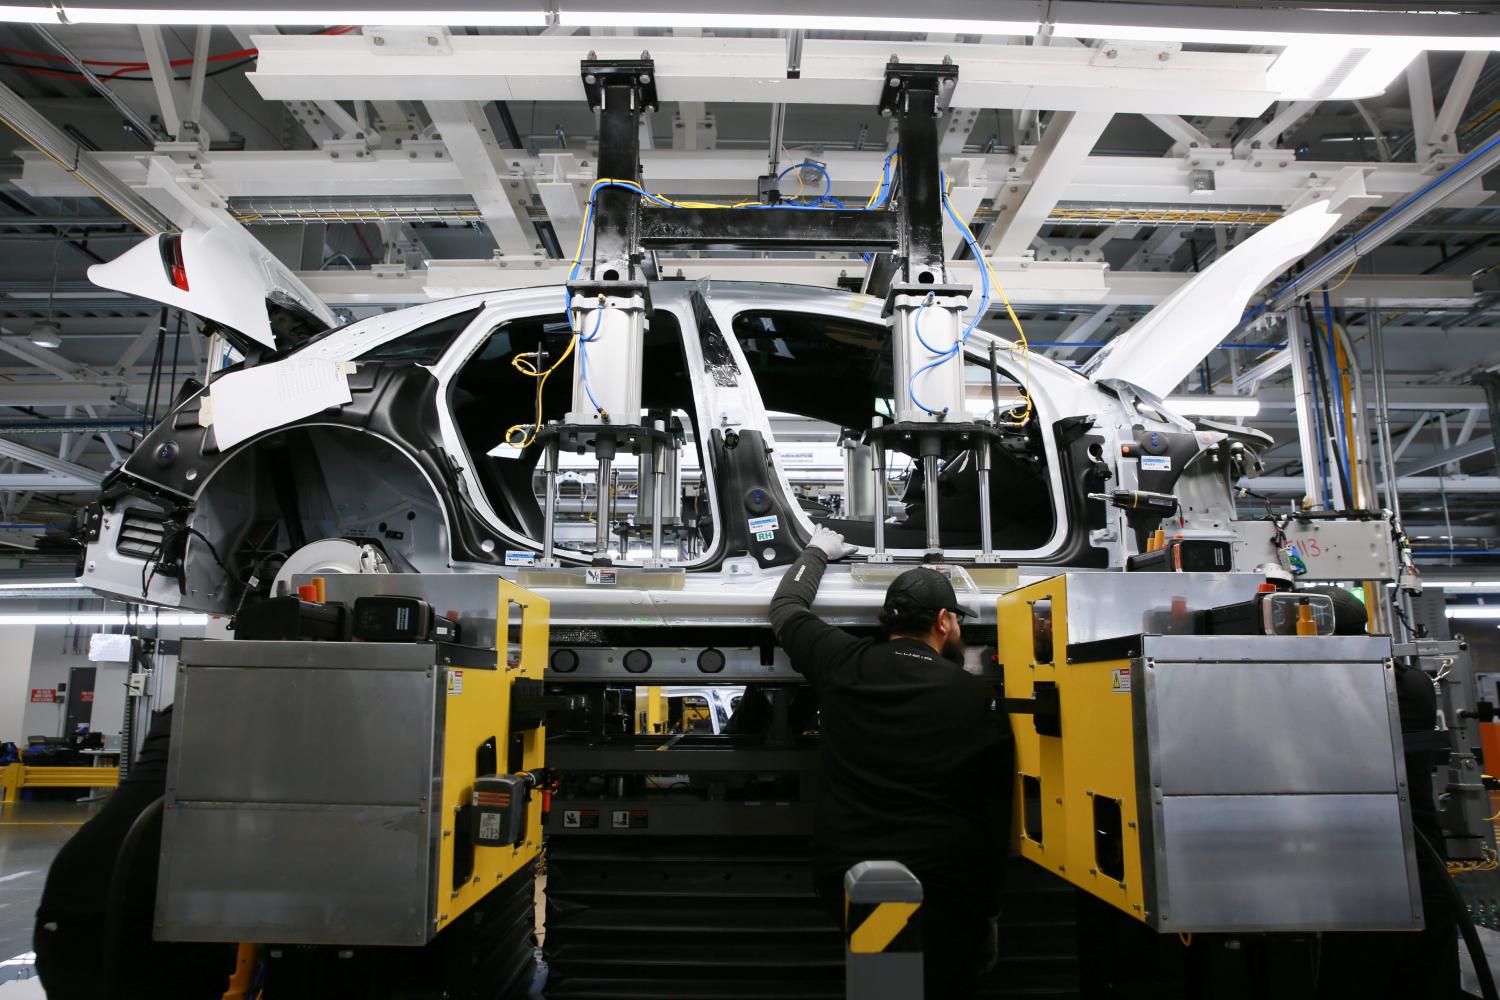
(917, 761)
(75, 957)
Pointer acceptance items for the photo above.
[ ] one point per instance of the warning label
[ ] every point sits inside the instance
(580, 819)
(455, 682)
(1120, 681)
(600, 577)
(628, 819)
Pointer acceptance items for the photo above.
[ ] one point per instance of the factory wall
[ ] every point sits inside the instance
(15, 674)
(57, 649)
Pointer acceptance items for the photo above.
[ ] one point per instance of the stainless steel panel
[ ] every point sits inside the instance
(1331, 550)
(1267, 648)
(299, 789)
(338, 736)
(1107, 605)
(295, 875)
(248, 654)
(1283, 863)
(1268, 727)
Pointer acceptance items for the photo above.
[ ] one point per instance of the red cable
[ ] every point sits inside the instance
(126, 67)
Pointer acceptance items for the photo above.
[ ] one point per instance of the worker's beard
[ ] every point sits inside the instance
(953, 648)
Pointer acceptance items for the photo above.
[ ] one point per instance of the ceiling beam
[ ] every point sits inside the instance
(1454, 455)
(832, 71)
(471, 144)
(49, 463)
(1027, 200)
(1037, 283)
(420, 171)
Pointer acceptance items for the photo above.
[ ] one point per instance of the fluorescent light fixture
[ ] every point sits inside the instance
(1213, 406)
(1259, 36)
(1311, 71)
(807, 22)
(1487, 586)
(30, 15)
(480, 18)
(43, 585)
(146, 617)
(1475, 612)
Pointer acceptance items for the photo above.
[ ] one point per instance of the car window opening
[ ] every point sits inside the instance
(490, 396)
(834, 374)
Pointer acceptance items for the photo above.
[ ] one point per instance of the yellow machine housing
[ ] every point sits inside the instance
(1205, 782)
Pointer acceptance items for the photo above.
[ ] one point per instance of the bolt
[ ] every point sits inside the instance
(432, 40)
(1110, 53)
(91, 567)
(894, 81)
(334, 154)
(885, 112)
(1257, 163)
(588, 78)
(1164, 56)
(645, 77)
(379, 40)
(412, 154)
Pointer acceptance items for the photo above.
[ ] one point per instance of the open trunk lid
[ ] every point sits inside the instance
(251, 298)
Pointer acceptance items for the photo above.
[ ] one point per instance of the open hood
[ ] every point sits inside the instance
(231, 281)
(1170, 341)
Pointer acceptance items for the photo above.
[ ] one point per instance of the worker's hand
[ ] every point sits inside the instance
(831, 543)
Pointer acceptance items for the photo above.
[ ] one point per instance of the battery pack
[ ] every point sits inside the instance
(400, 619)
(499, 810)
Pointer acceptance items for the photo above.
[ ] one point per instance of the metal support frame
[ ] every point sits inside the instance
(1307, 436)
(917, 95)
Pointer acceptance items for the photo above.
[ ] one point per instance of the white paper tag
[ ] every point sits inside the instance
(513, 558)
(1156, 463)
(769, 523)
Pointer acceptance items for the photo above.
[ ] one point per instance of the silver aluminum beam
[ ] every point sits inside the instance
(79, 163)
(1392, 222)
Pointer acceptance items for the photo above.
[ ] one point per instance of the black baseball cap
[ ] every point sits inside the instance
(924, 589)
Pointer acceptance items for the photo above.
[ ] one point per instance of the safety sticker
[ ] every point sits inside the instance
(580, 819)
(765, 526)
(513, 558)
(1156, 463)
(628, 819)
(1120, 681)
(601, 576)
(489, 826)
(455, 682)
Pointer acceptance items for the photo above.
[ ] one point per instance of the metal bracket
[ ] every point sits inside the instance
(346, 149)
(637, 74)
(903, 78)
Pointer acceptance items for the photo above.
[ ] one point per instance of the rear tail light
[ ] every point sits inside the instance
(171, 259)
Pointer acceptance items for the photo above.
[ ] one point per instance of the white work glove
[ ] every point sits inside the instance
(831, 543)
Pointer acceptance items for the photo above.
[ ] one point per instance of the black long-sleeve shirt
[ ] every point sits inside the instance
(917, 758)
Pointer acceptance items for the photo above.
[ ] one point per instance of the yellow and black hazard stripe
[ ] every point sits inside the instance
(873, 928)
